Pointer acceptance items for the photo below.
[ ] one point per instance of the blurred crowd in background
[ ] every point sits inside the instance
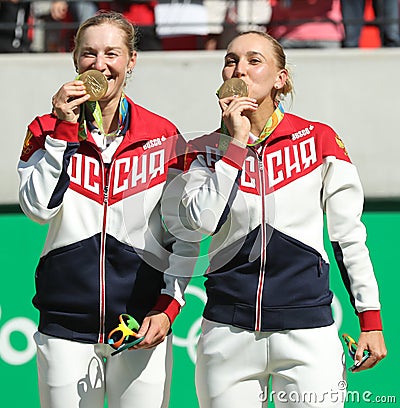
(170, 25)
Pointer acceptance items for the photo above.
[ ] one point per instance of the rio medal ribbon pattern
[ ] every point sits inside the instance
(352, 348)
(232, 87)
(95, 83)
(125, 335)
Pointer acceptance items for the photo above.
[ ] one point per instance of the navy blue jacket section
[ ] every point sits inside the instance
(295, 294)
(61, 301)
(338, 253)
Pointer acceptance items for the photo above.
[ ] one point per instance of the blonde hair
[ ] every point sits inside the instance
(107, 17)
(280, 60)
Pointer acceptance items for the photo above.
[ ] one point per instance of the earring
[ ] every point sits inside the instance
(130, 70)
(276, 86)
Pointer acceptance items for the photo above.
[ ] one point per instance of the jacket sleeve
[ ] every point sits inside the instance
(209, 189)
(42, 167)
(185, 216)
(343, 200)
(182, 242)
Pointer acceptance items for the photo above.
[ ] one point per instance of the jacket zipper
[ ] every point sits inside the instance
(263, 227)
(102, 276)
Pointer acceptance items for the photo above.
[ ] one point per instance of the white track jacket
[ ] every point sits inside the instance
(106, 251)
(264, 209)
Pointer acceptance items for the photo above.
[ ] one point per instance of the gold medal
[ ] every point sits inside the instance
(95, 83)
(232, 87)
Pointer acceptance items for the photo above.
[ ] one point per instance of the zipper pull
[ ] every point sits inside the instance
(260, 163)
(105, 196)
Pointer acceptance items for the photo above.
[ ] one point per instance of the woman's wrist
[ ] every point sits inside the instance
(239, 143)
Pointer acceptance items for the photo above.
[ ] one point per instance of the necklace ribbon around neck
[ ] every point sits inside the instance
(93, 108)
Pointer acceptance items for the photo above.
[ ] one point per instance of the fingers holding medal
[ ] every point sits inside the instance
(91, 85)
(232, 89)
(235, 104)
(68, 99)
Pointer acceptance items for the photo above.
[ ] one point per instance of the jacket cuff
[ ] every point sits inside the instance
(370, 320)
(235, 155)
(168, 305)
(67, 131)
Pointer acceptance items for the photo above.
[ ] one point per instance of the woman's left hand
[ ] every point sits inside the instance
(374, 342)
(155, 327)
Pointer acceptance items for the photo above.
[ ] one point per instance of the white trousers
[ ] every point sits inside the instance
(79, 375)
(234, 367)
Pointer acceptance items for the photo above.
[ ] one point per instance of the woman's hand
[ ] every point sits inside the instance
(238, 124)
(373, 342)
(68, 99)
(155, 328)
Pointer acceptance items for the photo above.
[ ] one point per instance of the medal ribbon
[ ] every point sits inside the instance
(269, 127)
(95, 111)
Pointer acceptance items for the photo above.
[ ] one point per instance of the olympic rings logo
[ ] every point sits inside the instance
(193, 334)
(8, 353)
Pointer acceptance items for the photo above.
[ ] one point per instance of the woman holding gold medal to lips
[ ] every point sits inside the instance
(260, 187)
(89, 171)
